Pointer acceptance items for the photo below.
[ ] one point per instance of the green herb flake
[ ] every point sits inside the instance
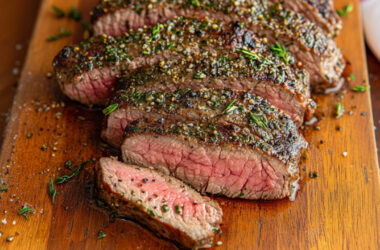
(58, 11)
(151, 213)
(64, 32)
(25, 210)
(230, 107)
(68, 164)
(165, 208)
(346, 9)
(313, 175)
(75, 172)
(359, 88)
(178, 209)
(352, 77)
(53, 38)
(339, 109)
(195, 3)
(259, 121)
(52, 191)
(111, 108)
(241, 194)
(74, 14)
(249, 54)
(280, 52)
(28, 136)
(155, 31)
(43, 148)
(3, 188)
(101, 234)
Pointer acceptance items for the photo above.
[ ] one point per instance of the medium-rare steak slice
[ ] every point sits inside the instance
(258, 161)
(262, 74)
(207, 105)
(162, 203)
(304, 39)
(87, 72)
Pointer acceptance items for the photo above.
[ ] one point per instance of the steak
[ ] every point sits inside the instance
(87, 72)
(284, 87)
(208, 105)
(258, 161)
(303, 38)
(162, 203)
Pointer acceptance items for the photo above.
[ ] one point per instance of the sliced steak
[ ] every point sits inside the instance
(304, 39)
(284, 87)
(87, 72)
(258, 161)
(208, 105)
(162, 203)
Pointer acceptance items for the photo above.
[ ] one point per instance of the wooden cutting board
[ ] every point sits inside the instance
(337, 210)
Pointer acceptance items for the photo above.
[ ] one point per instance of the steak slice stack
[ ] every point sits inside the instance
(303, 38)
(162, 203)
(87, 72)
(258, 160)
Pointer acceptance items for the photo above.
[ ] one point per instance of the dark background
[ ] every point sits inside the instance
(17, 22)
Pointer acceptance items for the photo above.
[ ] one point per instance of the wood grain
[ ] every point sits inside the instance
(338, 210)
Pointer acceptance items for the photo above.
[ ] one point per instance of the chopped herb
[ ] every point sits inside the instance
(101, 234)
(43, 147)
(58, 11)
(261, 122)
(241, 25)
(112, 216)
(359, 88)
(178, 209)
(28, 136)
(165, 208)
(249, 54)
(339, 109)
(155, 31)
(151, 213)
(241, 194)
(3, 188)
(53, 38)
(74, 14)
(313, 175)
(75, 172)
(52, 191)
(64, 32)
(230, 107)
(24, 211)
(111, 108)
(127, 24)
(68, 164)
(280, 52)
(346, 9)
(195, 3)
(352, 77)
(86, 26)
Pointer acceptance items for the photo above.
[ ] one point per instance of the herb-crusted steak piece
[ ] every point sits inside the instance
(303, 38)
(87, 72)
(262, 74)
(208, 105)
(162, 203)
(251, 162)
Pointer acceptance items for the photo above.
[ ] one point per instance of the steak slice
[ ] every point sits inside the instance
(87, 72)
(258, 161)
(208, 105)
(284, 87)
(303, 38)
(162, 203)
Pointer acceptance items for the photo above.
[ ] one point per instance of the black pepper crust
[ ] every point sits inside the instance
(178, 36)
(270, 16)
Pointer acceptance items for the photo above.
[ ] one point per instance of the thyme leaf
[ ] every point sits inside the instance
(230, 107)
(58, 11)
(52, 191)
(280, 51)
(111, 108)
(25, 210)
(259, 121)
(101, 234)
(346, 9)
(74, 14)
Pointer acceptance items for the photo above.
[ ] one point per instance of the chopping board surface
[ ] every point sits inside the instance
(337, 210)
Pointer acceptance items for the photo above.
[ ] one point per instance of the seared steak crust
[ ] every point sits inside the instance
(164, 204)
(208, 105)
(210, 156)
(306, 40)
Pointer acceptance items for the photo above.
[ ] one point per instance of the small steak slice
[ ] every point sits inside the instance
(208, 105)
(87, 72)
(259, 161)
(304, 39)
(262, 74)
(162, 203)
